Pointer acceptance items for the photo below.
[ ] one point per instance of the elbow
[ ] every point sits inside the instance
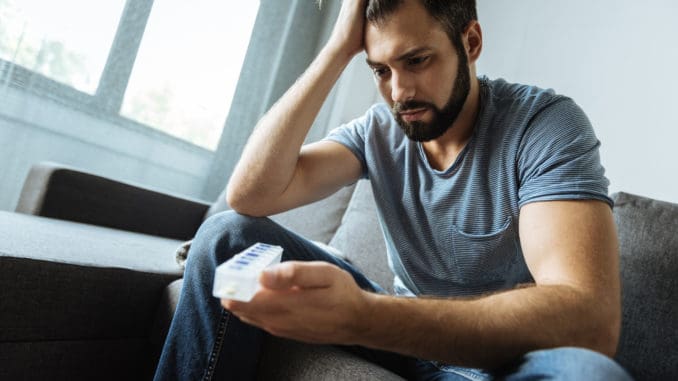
(602, 342)
(607, 340)
(234, 202)
(237, 201)
(603, 337)
(610, 328)
(242, 203)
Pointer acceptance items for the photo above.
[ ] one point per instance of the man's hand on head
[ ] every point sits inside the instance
(314, 302)
(349, 28)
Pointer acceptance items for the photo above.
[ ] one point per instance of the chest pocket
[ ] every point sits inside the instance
(484, 258)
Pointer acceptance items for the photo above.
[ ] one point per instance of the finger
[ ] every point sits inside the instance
(246, 312)
(232, 305)
(299, 274)
(264, 301)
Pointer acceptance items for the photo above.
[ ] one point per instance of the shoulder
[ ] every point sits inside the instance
(376, 123)
(519, 98)
(380, 114)
(531, 110)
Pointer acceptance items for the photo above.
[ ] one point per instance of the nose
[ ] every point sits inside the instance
(402, 87)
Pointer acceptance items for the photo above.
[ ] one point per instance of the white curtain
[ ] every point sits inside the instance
(286, 38)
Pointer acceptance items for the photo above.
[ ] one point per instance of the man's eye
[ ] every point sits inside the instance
(379, 71)
(414, 61)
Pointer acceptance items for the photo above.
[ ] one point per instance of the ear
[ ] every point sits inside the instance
(473, 41)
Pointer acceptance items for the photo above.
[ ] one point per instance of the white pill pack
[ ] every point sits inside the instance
(238, 278)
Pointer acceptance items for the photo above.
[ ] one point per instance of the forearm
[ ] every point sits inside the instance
(270, 156)
(492, 330)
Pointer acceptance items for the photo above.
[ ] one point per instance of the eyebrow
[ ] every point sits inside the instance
(402, 57)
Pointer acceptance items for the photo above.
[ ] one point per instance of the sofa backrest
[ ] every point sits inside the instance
(317, 221)
(648, 239)
(360, 239)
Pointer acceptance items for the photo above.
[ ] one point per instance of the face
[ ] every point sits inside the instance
(418, 71)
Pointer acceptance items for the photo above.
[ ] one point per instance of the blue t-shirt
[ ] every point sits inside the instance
(455, 232)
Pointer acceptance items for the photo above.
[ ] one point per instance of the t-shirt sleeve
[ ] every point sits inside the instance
(352, 135)
(559, 157)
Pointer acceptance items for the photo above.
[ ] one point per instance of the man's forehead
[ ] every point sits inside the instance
(410, 53)
(393, 42)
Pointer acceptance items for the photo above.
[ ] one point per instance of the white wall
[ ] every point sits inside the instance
(618, 59)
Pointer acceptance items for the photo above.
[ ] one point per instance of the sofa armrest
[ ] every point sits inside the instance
(56, 191)
(78, 300)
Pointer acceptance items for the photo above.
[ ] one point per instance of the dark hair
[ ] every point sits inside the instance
(453, 15)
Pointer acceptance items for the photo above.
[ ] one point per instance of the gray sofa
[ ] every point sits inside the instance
(89, 279)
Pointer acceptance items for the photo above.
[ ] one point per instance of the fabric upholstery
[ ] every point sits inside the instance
(87, 302)
(101, 360)
(360, 240)
(317, 221)
(163, 317)
(50, 239)
(74, 295)
(648, 238)
(53, 190)
(289, 360)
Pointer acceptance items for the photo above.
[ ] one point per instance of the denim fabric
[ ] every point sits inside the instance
(205, 342)
(564, 364)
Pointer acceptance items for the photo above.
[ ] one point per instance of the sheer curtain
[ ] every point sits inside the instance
(139, 90)
(287, 36)
(290, 34)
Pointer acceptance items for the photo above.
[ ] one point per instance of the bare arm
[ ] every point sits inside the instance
(274, 172)
(570, 248)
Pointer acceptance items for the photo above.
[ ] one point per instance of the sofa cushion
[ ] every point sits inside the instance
(648, 238)
(66, 284)
(360, 240)
(284, 359)
(73, 360)
(317, 221)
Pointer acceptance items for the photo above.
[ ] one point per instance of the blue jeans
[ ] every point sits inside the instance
(205, 342)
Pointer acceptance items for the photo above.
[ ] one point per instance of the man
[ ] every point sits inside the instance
(492, 199)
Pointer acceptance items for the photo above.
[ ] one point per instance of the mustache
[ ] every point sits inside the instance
(410, 105)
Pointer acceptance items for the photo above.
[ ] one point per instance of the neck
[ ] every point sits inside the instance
(443, 151)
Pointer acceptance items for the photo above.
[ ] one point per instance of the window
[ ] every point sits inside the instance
(168, 64)
(188, 66)
(47, 37)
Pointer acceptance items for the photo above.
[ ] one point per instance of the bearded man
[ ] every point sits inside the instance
(492, 200)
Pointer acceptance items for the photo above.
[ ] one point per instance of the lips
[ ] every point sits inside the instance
(411, 115)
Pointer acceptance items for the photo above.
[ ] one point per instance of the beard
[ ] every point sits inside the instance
(442, 118)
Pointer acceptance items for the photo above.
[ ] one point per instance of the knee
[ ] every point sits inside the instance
(223, 235)
(570, 363)
(231, 223)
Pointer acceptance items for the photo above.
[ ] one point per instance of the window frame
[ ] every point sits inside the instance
(106, 102)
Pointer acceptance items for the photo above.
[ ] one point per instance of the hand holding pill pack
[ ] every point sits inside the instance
(238, 278)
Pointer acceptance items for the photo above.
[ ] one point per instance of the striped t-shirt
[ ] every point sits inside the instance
(455, 232)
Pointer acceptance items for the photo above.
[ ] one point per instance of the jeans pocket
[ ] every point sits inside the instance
(484, 258)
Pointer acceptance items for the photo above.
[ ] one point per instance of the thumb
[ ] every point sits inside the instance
(298, 274)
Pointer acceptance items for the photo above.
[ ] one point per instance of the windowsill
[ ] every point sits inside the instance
(58, 116)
